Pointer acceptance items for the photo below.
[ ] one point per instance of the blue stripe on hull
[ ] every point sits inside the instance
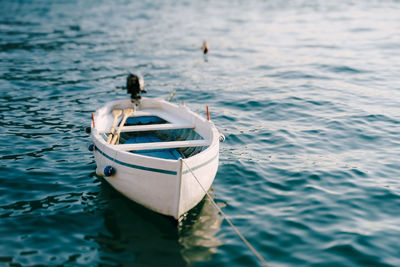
(137, 166)
(154, 169)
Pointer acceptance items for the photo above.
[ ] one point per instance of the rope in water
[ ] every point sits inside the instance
(258, 255)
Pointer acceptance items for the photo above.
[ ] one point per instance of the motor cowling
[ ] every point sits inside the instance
(135, 86)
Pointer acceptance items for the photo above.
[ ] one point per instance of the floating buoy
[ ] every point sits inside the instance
(88, 130)
(91, 147)
(109, 171)
(205, 48)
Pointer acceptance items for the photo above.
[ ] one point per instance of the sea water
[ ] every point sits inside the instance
(307, 94)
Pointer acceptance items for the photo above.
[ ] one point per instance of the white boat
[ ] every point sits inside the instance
(166, 157)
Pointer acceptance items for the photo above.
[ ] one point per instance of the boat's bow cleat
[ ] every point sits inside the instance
(135, 86)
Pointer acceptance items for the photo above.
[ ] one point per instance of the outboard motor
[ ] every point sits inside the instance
(134, 86)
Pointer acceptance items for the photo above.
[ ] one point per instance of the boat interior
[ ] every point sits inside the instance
(153, 136)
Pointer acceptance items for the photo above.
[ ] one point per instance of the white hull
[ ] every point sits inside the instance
(163, 185)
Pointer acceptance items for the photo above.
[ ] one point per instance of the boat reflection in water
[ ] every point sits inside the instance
(132, 234)
(198, 231)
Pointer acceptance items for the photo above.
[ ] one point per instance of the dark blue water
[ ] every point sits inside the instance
(306, 92)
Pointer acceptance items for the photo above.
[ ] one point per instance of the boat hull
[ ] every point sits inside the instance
(169, 187)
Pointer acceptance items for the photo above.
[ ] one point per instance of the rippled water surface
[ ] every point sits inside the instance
(307, 94)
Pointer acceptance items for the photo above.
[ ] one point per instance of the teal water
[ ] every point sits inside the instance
(307, 94)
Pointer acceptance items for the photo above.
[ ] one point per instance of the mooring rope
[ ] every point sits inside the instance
(247, 243)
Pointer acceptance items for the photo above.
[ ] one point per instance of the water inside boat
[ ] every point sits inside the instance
(171, 153)
(144, 120)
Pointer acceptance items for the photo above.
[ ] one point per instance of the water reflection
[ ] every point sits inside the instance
(133, 234)
(198, 232)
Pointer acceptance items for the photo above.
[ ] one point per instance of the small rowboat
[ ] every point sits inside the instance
(165, 156)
